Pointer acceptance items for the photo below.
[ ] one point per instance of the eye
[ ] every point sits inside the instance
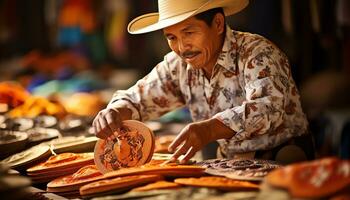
(188, 33)
(171, 38)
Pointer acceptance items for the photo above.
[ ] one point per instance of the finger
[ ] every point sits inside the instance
(188, 155)
(182, 150)
(181, 137)
(104, 126)
(95, 126)
(95, 123)
(104, 129)
(98, 131)
(113, 121)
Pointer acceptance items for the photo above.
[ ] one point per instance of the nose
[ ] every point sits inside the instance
(183, 45)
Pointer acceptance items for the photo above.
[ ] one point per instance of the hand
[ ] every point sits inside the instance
(196, 135)
(109, 120)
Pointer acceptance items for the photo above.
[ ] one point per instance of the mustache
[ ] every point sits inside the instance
(189, 53)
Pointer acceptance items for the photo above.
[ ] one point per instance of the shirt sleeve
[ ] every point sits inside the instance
(267, 87)
(154, 95)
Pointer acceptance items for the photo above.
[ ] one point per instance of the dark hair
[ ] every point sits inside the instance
(208, 15)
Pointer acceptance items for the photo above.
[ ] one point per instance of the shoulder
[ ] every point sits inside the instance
(250, 41)
(246, 38)
(253, 45)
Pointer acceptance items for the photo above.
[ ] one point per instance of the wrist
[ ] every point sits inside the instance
(218, 130)
(125, 113)
(122, 105)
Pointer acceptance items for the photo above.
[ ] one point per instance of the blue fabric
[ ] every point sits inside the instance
(37, 80)
(69, 36)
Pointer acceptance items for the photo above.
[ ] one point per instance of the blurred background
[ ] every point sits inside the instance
(73, 54)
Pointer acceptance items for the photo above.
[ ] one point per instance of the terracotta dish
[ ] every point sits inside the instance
(12, 142)
(74, 181)
(217, 182)
(59, 165)
(37, 135)
(316, 179)
(157, 185)
(132, 146)
(28, 157)
(118, 184)
(73, 144)
(156, 167)
(62, 161)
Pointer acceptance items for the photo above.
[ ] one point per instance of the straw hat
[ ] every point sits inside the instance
(174, 11)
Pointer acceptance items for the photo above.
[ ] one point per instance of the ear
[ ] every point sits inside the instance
(219, 22)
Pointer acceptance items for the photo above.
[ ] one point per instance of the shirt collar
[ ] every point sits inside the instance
(227, 55)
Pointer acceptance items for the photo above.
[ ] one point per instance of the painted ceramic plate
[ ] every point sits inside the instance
(62, 161)
(218, 182)
(157, 186)
(28, 156)
(116, 184)
(10, 137)
(12, 142)
(37, 135)
(74, 181)
(315, 179)
(158, 168)
(45, 121)
(239, 169)
(73, 144)
(133, 146)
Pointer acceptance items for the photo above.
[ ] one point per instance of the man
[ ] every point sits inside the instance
(237, 86)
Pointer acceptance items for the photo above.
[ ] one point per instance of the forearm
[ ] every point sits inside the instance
(218, 130)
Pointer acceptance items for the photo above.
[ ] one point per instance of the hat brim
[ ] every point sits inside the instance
(150, 22)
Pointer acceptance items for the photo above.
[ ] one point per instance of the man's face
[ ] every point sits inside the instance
(196, 42)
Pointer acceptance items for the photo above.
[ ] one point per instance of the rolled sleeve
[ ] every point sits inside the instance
(115, 104)
(154, 95)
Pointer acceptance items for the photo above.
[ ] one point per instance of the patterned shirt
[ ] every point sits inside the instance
(251, 91)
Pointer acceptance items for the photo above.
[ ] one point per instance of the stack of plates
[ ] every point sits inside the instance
(27, 158)
(68, 186)
(59, 165)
